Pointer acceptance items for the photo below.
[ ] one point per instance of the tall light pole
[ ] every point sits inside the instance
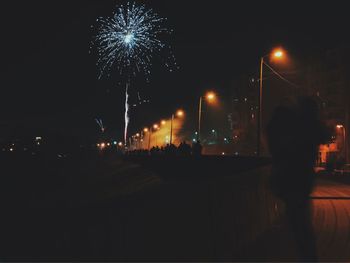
(179, 113)
(345, 148)
(277, 54)
(210, 96)
(150, 131)
(199, 118)
(260, 106)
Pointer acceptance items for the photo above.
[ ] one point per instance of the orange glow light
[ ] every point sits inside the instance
(163, 122)
(145, 129)
(155, 126)
(278, 54)
(339, 126)
(180, 113)
(211, 96)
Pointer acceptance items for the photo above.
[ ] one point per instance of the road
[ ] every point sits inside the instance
(159, 210)
(331, 202)
(331, 222)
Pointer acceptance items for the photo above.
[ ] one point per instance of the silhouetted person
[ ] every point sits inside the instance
(153, 151)
(184, 149)
(294, 134)
(172, 149)
(197, 148)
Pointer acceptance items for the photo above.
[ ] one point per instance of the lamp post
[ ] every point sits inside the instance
(210, 96)
(345, 148)
(277, 54)
(179, 113)
(150, 131)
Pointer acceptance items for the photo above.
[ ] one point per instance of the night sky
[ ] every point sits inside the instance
(48, 77)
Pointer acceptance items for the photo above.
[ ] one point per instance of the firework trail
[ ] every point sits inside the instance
(126, 113)
(128, 41)
(100, 124)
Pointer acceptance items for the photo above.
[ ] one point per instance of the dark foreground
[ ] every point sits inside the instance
(108, 208)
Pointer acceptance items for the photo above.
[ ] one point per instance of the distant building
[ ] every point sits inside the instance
(327, 77)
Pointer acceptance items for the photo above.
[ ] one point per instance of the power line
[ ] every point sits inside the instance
(281, 77)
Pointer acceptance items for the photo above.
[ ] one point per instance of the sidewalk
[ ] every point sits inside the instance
(331, 220)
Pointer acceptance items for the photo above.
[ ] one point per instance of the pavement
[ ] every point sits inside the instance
(331, 222)
(114, 209)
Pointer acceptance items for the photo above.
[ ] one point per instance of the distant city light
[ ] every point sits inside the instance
(120, 144)
(108, 144)
(145, 130)
(163, 122)
(212, 131)
(223, 153)
(11, 149)
(38, 138)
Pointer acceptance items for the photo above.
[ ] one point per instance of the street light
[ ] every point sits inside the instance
(210, 96)
(276, 54)
(179, 113)
(150, 130)
(339, 126)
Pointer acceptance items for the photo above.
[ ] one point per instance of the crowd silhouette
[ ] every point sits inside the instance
(184, 149)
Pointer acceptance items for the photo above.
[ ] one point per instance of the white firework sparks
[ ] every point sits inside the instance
(128, 41)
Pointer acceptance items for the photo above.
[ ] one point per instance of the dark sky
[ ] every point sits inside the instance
(49, 77)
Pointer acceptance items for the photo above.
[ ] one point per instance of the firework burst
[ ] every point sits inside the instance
(128, 41)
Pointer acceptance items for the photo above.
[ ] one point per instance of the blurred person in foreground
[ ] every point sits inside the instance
(294, 135)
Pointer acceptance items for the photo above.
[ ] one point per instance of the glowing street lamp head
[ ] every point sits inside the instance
(163, 122)
(339, 126)
(210, 96)
(145, 130)
(180, 113)
(155, 126)
(120, 144)
(137, 135)
(278, 54)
